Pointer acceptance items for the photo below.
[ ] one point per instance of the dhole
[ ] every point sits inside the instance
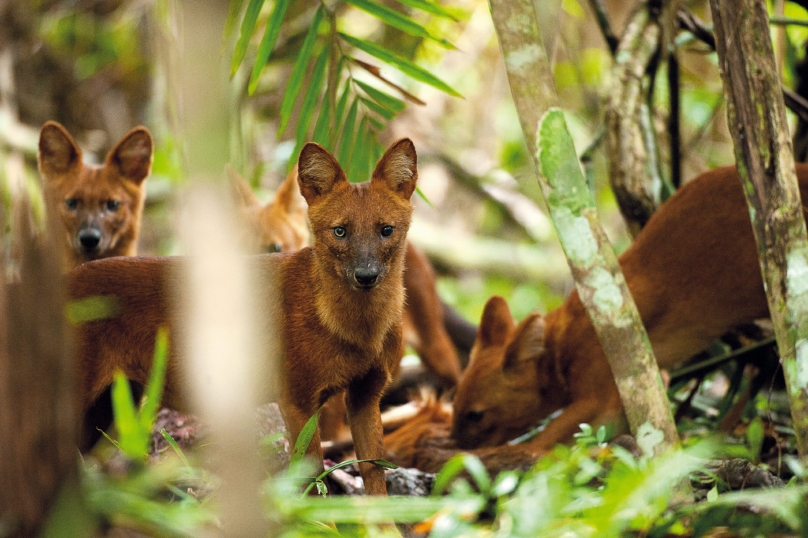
(280, 226)
(99, 207)
(341, 301)
(693, 272)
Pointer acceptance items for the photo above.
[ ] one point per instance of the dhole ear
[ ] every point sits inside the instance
(496, 323)
(132, 156)
(288, 195)
(398, 167)
(528, 342)
(318, 172)
(58, 152)
(244, 195)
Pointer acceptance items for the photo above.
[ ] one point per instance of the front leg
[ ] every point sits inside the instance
(362, 400)
(295, 418)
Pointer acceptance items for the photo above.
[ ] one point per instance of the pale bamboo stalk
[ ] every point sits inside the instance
(220, 326)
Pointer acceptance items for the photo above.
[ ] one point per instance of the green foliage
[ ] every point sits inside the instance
(135, 426)
(349, 110)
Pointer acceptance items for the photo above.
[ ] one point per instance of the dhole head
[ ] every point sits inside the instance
(280, 224)
(362, 226)
(500, 394)
(98, 206)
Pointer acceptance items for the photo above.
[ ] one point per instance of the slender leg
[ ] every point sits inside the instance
(366, 428)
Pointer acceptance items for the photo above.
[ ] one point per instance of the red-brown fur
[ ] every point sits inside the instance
(337, 333)
(279, 226)
(694, 274)
(99, 207)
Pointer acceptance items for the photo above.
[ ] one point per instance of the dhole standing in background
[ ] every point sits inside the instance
(694, 274)
(99, 207)
(341, 302)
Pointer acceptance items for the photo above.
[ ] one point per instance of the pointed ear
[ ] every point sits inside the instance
(132, 156)
(318, 172)
(527, 343)
(58, 152)
(288, 195)
(242, 192)
(496, 323)
(398, 167)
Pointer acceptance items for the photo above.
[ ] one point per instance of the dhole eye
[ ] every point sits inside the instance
(274, 247)
(340, 232)
(387, 231)
(474, 416)
(113, 205)
(72, 203)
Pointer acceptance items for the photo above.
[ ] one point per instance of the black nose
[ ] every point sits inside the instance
(89, 238)
(366, 276)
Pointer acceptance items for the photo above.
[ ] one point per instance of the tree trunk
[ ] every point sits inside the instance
(757, 120)
(38, 412)
(594, 265)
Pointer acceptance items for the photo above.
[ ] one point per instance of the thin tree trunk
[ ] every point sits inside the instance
(597, 274)
(763, 151)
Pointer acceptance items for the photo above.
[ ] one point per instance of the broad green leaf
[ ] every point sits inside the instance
(384, 99)
(340, 112)
(131, 438)
(405, 66)
(247, 27)
(299, 71)
(360, 154)
(429, 7)
(304, 439)
(397, 20)
(154, 388)
(347, 135)
(232, 16)
(268, 41)
(92, 308)
(378, 109)
(456, 465)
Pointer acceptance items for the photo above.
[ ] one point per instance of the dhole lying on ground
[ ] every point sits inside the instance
(694, 274)
(341, 301)
(98, 207)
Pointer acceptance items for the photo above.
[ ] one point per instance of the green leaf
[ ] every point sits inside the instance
(429, 7)
(378, 124)
(268, 41)
(384, 99)
(360, 154)
(459, 463)
(378, 109)
(247, 27)
(397, 20)
(154, 388)
(173, 444)
(92, 308)
(347, 136)
(712, 495)
(314, 83)
(304, 439)
(130, 433)
(299, 71)
(232, 16)
(405, 66)
(322, 129)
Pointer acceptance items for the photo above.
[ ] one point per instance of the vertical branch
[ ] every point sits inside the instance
(597, 274)
(633, 163)
(220, 326)
(757, 120)
(674, 133)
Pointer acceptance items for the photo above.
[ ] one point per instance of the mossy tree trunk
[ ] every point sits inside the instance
(597, 274)
(763, 151)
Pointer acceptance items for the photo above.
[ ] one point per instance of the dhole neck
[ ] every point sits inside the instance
(360, 318)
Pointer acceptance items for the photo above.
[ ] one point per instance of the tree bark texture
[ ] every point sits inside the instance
(634, 170)
(38, 411)
(597, 274)
(757, 121)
